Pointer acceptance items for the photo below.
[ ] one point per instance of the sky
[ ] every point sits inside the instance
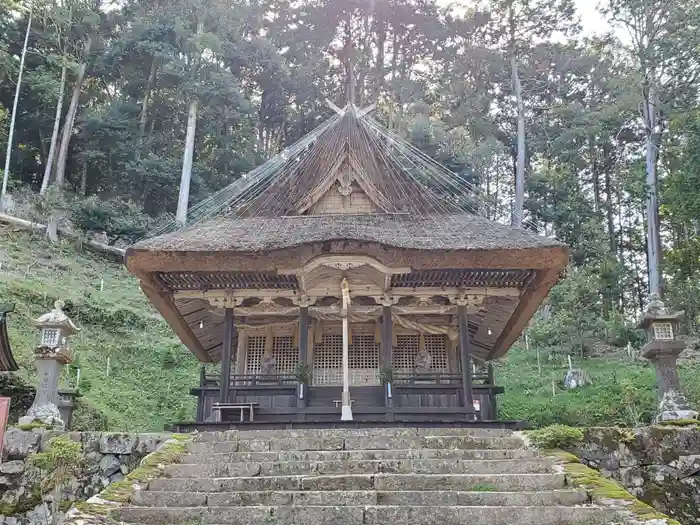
(591, 20)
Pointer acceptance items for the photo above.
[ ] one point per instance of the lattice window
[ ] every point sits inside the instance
(364, 361)
(663, 331)
(255, 351)
(286, 355)
(405, 353)
(436, 344)
(328, 359)
(50, 337)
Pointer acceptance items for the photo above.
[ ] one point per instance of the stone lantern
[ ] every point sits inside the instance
(51, 354)
(664, 345)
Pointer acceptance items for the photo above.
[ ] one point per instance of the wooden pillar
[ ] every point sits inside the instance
(303, 335)
(303, 390)
(466, 361)
(226, 352)
(385, 357)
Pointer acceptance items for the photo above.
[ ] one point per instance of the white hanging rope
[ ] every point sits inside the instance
(397, 176)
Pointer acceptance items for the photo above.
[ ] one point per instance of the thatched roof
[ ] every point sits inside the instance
(456, 232)
(350, 188)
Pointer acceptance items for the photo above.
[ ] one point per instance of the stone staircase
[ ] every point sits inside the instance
(362, 476)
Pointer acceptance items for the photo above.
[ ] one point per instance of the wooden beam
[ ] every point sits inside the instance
(167, 308)
(466, 361)
(225, 382)
(529, 303)
(331, 291)
(385, 356)
(298, 256)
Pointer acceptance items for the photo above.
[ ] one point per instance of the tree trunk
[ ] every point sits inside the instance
(188, 155)
(54, 134)
(83, 178)
(13, 118)
(652, 188)
(143, 117)
(379, 73)
(70, 117)
(183, 199)
(517, 219)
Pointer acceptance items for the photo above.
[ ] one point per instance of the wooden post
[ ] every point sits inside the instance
(303, 335)
(227, 345)
(465, 356)
(385, 357)
(346, 410)
(303, 351)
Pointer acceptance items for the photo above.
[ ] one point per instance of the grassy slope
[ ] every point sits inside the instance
(151, 371)
(623, 390)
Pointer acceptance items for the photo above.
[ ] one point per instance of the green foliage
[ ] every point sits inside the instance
(62, 460)
(623, 389)
(117, 218)
(483, 487)
(304, 374)
(386, 375)
(137, 395)
(556, 436)
(19, 391)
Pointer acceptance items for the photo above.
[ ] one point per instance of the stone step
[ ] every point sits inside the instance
(358, 455)
(365, 515)
(392, 466)
(383, 482)
(356, 443)
(146, 498)
(234, 435)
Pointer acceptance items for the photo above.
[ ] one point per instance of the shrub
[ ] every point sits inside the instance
(117, 218)
(556, 436)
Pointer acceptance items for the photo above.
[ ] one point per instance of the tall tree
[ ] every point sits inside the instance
(663, 37)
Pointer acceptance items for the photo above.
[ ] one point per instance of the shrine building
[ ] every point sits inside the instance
(346, 281)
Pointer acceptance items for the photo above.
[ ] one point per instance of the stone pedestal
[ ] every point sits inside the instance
(45, 407)
(664, 356)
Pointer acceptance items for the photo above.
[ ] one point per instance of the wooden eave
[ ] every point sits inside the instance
(539, 258)
(7, 360)
(533, 270)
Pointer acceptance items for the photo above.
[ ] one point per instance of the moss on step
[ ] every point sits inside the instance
(603, 490)
(679, 423)
(27, 502)
(119, 493)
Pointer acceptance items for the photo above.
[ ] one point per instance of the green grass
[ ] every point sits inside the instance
(623, 391)
(150, 371)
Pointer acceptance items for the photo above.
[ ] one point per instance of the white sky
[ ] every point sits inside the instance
(592, 20)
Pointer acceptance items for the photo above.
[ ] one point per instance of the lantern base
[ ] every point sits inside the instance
(674, 407)
(47, 414)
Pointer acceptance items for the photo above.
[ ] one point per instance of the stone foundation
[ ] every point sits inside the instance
(659, 464)
(108, 458)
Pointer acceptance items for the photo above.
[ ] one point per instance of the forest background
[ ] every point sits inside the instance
(571, 131)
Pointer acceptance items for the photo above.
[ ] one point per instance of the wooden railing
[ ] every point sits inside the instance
(211, 380)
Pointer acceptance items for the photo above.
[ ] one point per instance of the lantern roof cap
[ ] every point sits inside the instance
(57, 318)
(658, 311)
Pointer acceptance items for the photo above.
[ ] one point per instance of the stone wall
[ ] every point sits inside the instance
(108, 457)
(660, 465)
